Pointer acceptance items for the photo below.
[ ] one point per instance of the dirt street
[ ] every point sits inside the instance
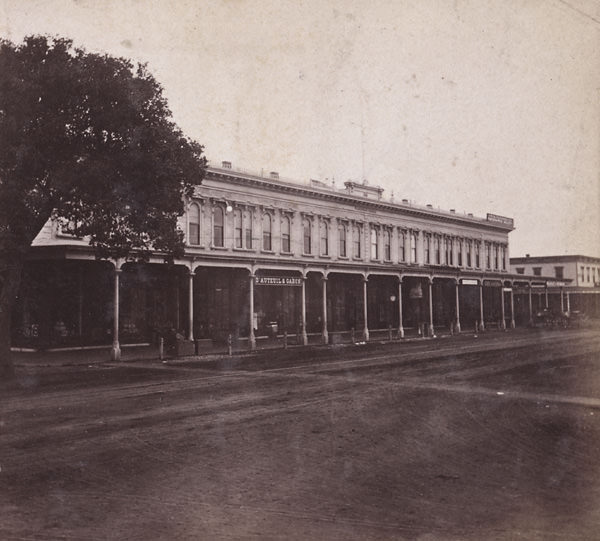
(462, 438)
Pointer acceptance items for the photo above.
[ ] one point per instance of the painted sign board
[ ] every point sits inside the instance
(500, 219)
(468, 282)
(278, 281)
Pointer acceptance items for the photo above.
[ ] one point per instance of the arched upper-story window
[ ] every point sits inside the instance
(374, 243)
(237, 228)
(427, 248)
(194, 224)
(218, 226)
(402, 245)
(387, 245)
(343, 234)
(266, 231)
(307, 227)
(324, 237)
(285, 235)
(357, 240)
(413, 246)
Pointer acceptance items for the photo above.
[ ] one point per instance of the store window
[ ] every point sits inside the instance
(413, 247)
(559, 272)
(469, 247)
(460, 253)
(427, 248)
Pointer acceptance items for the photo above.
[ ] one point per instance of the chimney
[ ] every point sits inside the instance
(526, 255)
(453, 210)
(429, 206)
(274, 175)
(226, 165)
(405, 201)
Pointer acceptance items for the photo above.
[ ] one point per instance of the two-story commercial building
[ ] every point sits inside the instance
(576, 283)
(266, 256)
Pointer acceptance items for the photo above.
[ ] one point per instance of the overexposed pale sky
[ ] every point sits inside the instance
(477, 105)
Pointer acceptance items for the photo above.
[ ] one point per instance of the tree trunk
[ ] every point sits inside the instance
(11, 280)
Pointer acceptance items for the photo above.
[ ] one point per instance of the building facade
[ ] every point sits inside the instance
(573, 282)
(266, 256)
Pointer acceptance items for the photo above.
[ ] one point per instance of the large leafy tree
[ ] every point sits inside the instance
(89, 138)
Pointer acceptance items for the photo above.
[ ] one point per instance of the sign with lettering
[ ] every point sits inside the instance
(277, 281)
(492, 283)
(468, 282)
(555, 283)
(500, 219)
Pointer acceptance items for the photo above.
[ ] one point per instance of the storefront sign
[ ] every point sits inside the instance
(500, 219)
(492, 283)
(468, 282)
(278, 281)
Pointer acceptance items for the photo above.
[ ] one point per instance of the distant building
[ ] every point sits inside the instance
(580, 274)
(581, 270)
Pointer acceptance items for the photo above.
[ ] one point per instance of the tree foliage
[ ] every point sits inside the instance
(89, 138)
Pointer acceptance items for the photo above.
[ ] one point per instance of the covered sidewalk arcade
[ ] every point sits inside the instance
(77, 301)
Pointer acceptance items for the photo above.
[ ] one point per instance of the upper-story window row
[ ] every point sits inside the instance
(343, 237)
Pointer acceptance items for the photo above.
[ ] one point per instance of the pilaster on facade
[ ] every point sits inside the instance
(419, 247)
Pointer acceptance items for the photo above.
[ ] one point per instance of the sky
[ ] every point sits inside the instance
(475, 105)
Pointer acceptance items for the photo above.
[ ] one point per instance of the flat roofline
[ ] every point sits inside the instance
(553, 259)
(412, 208)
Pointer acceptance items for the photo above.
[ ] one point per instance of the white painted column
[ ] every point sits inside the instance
(503, 323)
(79, 301)
(457, 307)
(400, 325)
(191, 307)
(562, 302)
(365, 311)
(512, 308)
(252, 337)
(546, 295)
(304, 335)
(115, 353)
(481, 321)
(530, 306)
(568, 302)
(431, 308)
(325, 334)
